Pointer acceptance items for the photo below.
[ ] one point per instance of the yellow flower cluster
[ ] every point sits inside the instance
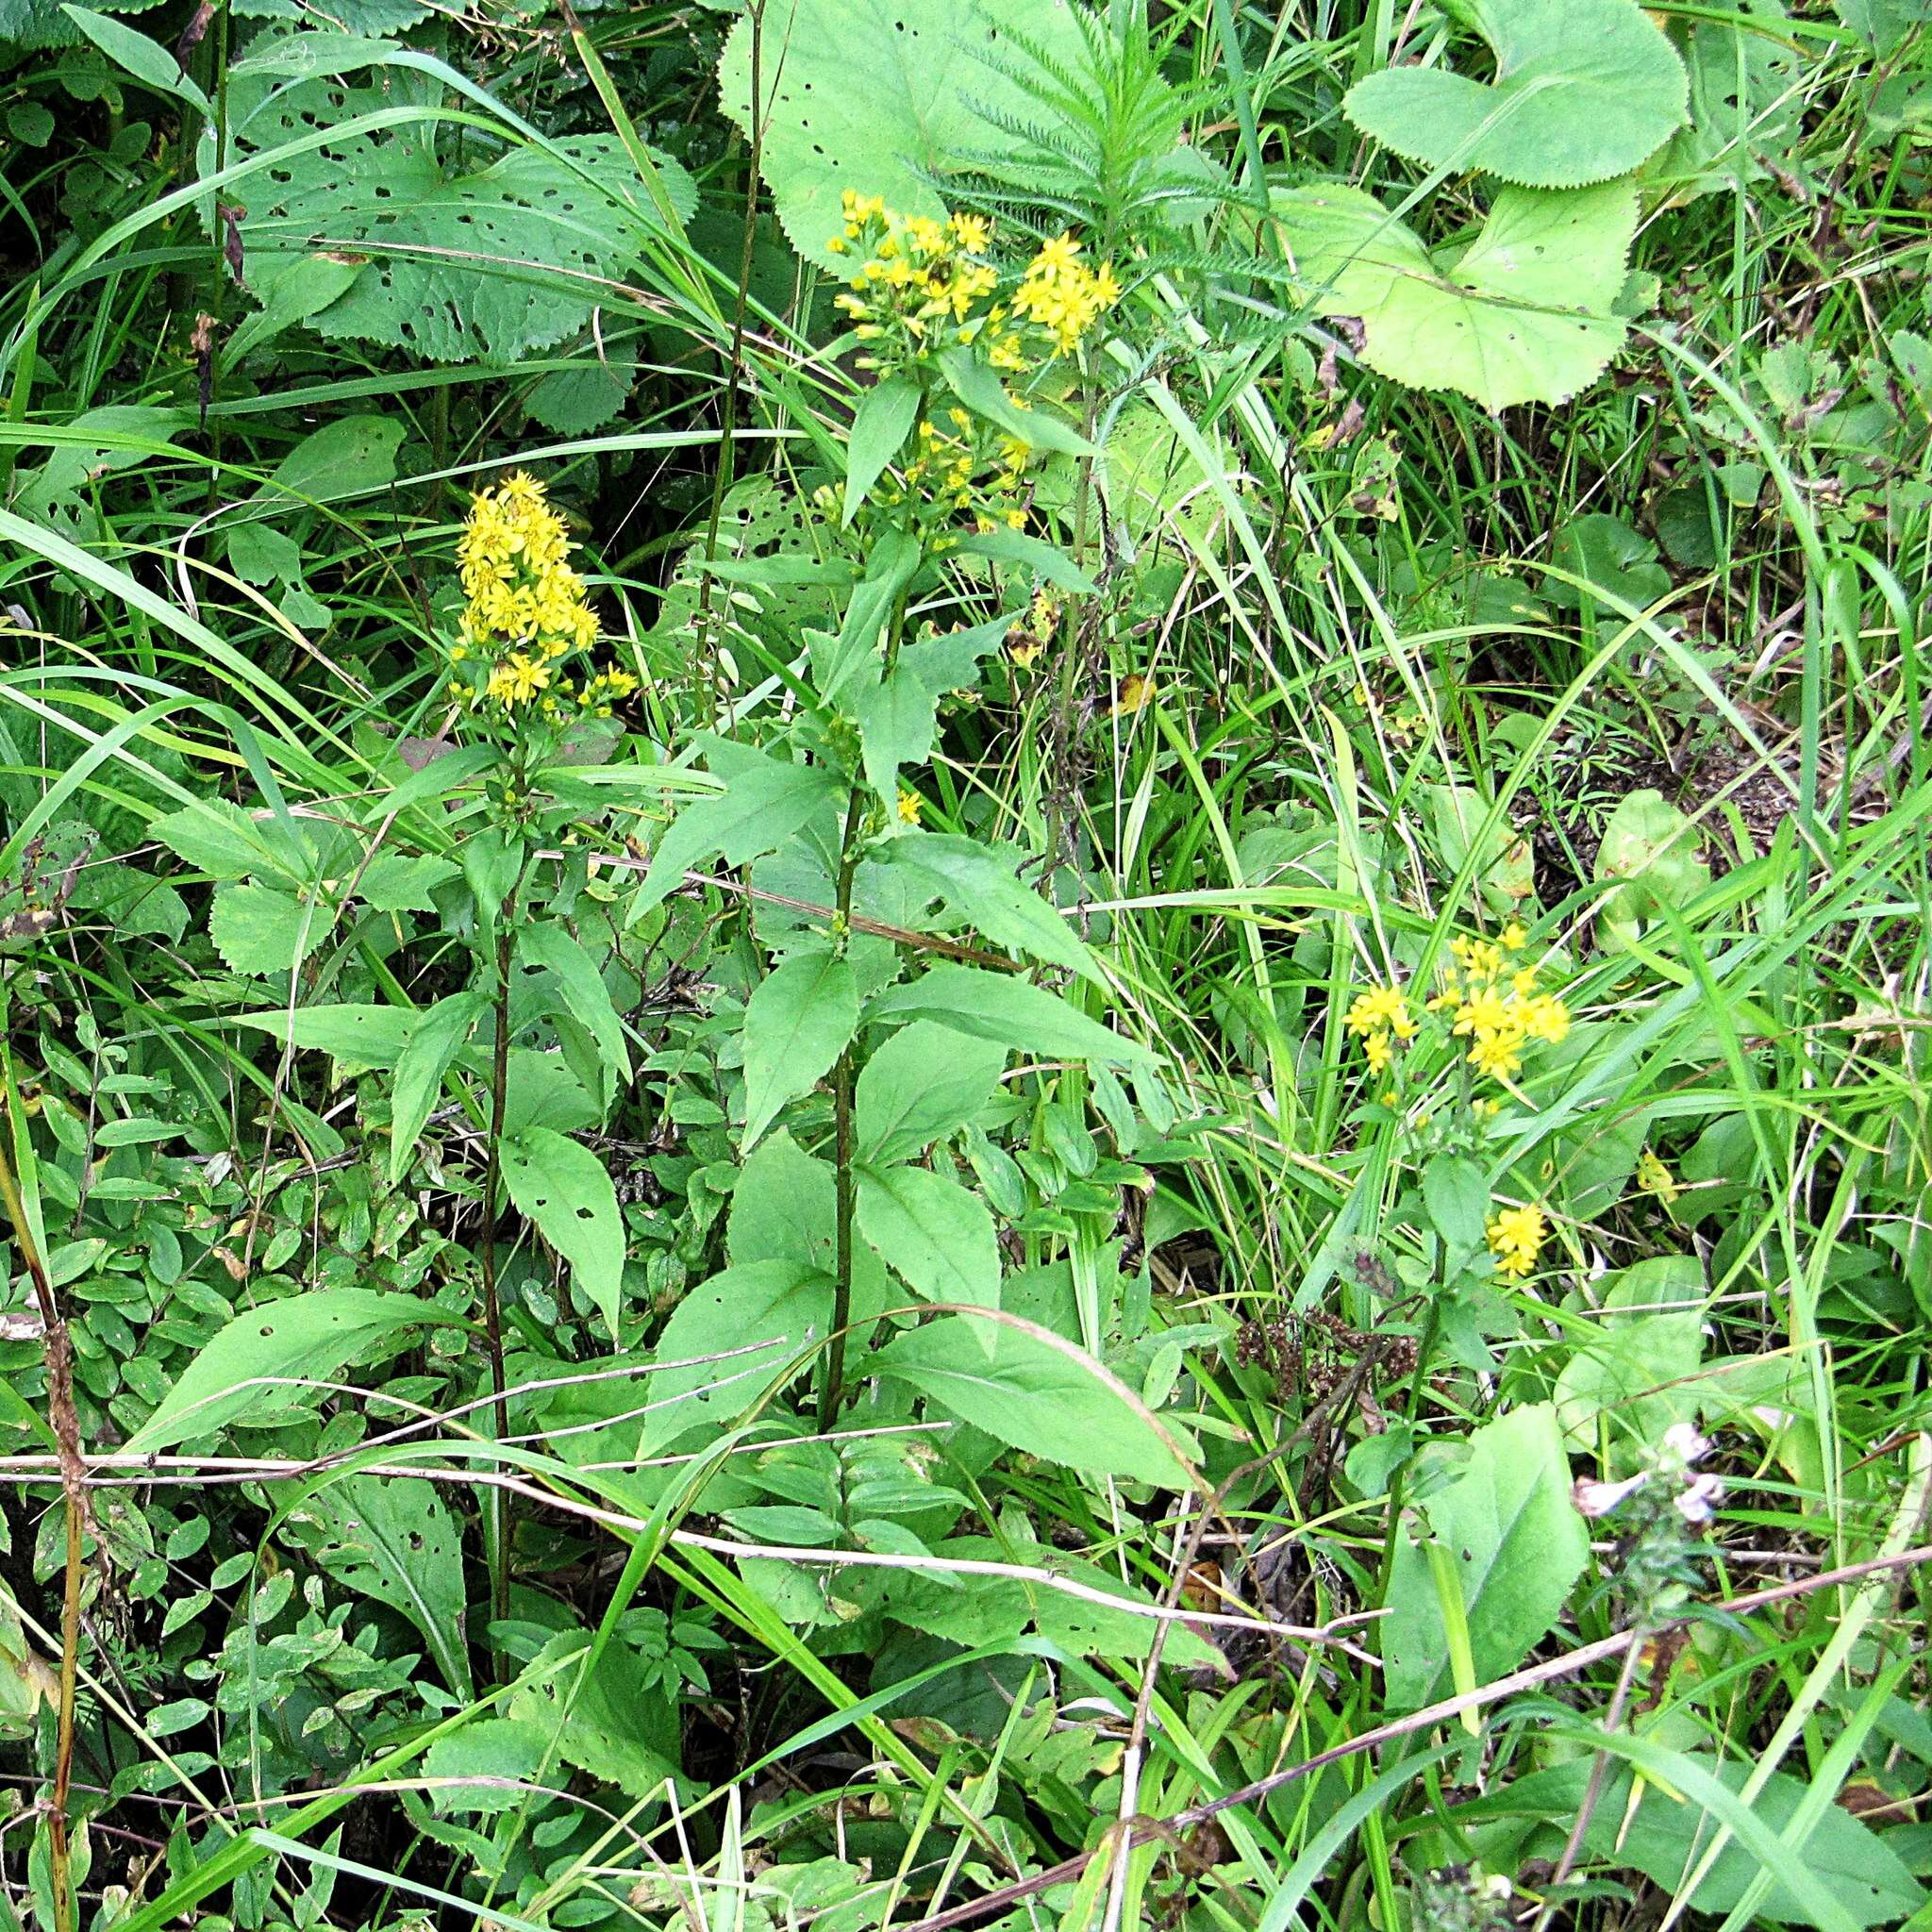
(1378, 1018)
(924, 284)
(1494, 1004)
(1516, 1238)
(1063, 295)
(525, 608)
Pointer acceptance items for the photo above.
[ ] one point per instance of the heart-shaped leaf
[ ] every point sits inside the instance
(1524, 314)
(1584, 89)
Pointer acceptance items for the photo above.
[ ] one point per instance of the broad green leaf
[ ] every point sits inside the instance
(1526, 314)
(249, 1361)
(224, 841)
(564, 1188)
(752, 1319)
(400, 882)
(977, 882)
(261, 929)
(1604, 551)
(603, 1720)
(1747, 103)
(1656, 1831)
(785, 1209)
(1634, 1374)
(486, 1766)
(546, 945)
(434, 1042)
(354, 1036)
(1517, 1545)
(1653, 848)
(936, 1234)
(1029, 1389)
(475, 251)
(796, 1023)
(879, 96)
(1002, 1008)
(925, 1082)
(764, 803)
(1584, 89)
(1457, 1198)
(391, 1539)
(896, 715)
(346, 457)
(879, 426)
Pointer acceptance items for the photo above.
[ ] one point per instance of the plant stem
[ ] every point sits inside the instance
(58, 1351)
(492, 1315)
(833, 1389)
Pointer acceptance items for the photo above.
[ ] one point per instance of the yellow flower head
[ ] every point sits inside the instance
(1381, 1006)
(1654, 1178)
(911, 805)
(1516, 1237)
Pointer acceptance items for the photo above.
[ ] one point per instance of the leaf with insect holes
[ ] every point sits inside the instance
(249, 1362)
(469, 250)
(565, 1191)
(1524, 314)
(1584, 91)
(878, 96)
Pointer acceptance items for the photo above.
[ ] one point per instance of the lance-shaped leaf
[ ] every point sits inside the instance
(563, 1188)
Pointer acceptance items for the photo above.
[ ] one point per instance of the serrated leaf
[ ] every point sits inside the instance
(354, 1036)
(1524, 314)
(923, 100)
(897, 716)
(976, 883)
(223, 840)
(565, 1191)
(1517, 1545)
(309, 1336)
(795, 1025)
(1584, 91)
(925, 1082)
(934, 1233)
(468, 251)
(261, 929)
(766, 801)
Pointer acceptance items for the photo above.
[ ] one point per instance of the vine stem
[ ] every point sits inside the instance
(833, 1387)
(59, 1350)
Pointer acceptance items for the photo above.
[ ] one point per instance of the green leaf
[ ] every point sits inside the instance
(349, 457)
(999, 1007)
(764, 804)
(149, 63)
(474, 250)
(976, 883)
(1524, 314)
(223, 840)
(896, 716)
(391, 1537)
(487, 1766)
(974, 382)
(768, 1308)
(1457, 1198)
(261, 929)
(785, 1209)
(547, 945)
(1584, 89)
(1604, 551)
(306, 1336)
(1650, 846)
(434, 1042)
(881, 96)
(925, 1082)
(1029, 1389)
(886, 414)
(563, 1188)
(936, 1234)
(398, 882)
(1047, 561)
(795, 1025)
(1518, 1547)
(1633, 1375)
(602, 1719)
(354, 1036)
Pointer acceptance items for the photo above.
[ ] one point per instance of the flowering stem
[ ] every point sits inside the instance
(832, 1388)
(492, 1315)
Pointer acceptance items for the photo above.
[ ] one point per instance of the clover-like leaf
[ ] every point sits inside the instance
(1584, 91)
(1524, 314)
(880, 96)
